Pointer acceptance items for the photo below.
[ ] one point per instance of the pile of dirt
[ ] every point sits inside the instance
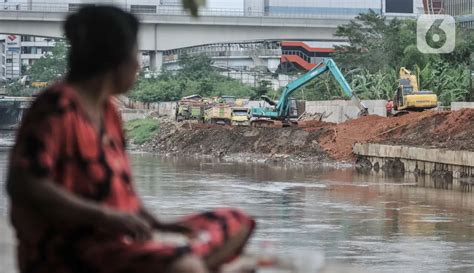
(223, 141)
(319, 140)
(450, 130)
(430, 129)
(365, 129)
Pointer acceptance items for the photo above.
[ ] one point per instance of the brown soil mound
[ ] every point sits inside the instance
(453, 130)
(219, 141)
(365, 129)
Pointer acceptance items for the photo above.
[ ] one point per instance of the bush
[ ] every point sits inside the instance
(140, 131)
(196, 76)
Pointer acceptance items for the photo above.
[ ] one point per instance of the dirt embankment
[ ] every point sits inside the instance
(318, 140)
(449, 130)
(276, 144)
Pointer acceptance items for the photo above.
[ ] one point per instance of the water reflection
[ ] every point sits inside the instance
(379, 223)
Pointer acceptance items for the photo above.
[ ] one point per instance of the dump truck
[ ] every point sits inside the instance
(240, 116)
(220, 114)
(229, 100)
(191, 108)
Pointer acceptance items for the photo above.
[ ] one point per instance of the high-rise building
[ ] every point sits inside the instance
(463, 10)
(20, 52)
(33, 48)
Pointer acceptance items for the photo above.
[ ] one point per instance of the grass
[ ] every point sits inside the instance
(140, 131)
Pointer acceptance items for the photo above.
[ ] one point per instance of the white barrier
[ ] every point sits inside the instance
(336, 111)
(458, 105)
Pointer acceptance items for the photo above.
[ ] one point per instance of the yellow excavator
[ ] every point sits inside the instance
(408, 96)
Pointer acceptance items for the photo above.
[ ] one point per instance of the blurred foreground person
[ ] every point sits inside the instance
(73, 204)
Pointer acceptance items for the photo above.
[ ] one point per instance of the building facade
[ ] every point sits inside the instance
(459, 7)
(20, 52)
(328, 8)
(463, 10)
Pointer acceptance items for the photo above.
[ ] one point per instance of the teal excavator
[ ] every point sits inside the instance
(280, 113)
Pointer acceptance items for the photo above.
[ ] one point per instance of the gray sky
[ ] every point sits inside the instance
(229, 4)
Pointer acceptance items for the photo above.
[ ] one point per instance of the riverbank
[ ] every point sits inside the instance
(317, 142)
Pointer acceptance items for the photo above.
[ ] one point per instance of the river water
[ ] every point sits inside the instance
(378, 224)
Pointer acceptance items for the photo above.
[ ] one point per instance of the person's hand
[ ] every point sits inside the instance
(127, 224)
(177, 228)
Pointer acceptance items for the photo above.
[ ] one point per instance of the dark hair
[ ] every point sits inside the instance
(101, 38)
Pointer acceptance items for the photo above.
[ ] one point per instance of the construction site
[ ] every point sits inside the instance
(410, 135)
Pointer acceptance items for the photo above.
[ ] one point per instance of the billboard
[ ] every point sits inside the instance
(399, 6)
(13, 42)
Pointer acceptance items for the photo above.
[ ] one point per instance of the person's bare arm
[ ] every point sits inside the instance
(58, 205)
(157, 224)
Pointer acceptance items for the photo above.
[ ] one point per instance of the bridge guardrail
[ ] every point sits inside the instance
(159, 10)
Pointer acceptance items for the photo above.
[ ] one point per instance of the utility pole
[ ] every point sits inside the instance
(471, 74)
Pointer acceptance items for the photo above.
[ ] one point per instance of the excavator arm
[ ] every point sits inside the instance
(327, 64)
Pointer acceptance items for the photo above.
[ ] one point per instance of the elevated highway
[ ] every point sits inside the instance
(171, 28)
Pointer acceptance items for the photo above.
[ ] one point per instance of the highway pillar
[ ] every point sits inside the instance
(156, 60)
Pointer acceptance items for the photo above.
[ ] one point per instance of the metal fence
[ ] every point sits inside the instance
(159, 10)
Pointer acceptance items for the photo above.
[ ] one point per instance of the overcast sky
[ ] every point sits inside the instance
(230, 4)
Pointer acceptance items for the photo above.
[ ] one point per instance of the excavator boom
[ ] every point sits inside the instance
(281, 110)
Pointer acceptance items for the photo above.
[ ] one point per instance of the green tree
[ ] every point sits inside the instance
(366, 35)
(378, 47)
(15, 88)
(195, 67)
(412, 57)
(193, 5)
(197, 75)
(52, 65)
(450, 84)
(264, 87)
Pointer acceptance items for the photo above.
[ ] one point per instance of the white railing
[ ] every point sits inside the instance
(160, 10)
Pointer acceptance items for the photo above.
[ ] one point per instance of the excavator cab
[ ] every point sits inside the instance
(405, 88)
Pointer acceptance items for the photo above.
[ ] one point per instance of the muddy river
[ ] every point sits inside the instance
(379, 224)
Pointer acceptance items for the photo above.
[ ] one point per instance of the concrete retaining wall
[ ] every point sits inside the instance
(460, 105)
(131, 114)
(338, 111)
(422, 161)
(163, 109)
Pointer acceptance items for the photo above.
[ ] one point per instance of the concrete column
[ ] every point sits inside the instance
(156, 60)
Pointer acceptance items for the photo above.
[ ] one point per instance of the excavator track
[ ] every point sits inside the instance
(266, 123)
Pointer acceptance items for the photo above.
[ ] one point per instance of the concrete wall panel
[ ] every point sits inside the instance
(338, 111)
(461, 105)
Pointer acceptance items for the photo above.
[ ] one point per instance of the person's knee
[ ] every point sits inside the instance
(188, 264)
